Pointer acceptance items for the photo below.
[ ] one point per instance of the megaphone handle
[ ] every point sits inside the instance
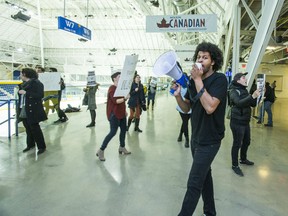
(172, 91)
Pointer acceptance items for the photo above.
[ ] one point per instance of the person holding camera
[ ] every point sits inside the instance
(206, 96)
(136, 102)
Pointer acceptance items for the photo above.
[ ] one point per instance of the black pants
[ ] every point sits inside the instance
(200, 181)
(241, 140)
(184, 127)
(34, 135)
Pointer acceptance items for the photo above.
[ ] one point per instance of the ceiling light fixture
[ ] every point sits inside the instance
(82, 39)
(20, 16)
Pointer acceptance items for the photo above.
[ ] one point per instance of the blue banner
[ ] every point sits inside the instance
(73, 27)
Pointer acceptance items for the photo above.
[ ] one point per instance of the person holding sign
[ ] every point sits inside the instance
(241, 103)
(90, 91)
(116, 115)
(152, 86)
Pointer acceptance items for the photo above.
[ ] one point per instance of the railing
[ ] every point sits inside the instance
(8, 102)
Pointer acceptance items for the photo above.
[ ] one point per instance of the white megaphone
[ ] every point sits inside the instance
(166, 64)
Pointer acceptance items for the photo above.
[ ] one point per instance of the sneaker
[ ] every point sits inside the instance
(247, 162)
(237, 170)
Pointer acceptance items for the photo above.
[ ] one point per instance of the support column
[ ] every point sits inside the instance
(267, 22)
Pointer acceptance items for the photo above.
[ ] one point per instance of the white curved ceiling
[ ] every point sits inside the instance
(118, 24)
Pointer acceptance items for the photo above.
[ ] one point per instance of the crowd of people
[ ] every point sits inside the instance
(203, 101)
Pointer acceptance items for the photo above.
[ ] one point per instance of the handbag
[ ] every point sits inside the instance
(85, 99)
(23, 113)
(143, 106)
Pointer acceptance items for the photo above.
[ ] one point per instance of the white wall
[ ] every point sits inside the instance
(277, 70)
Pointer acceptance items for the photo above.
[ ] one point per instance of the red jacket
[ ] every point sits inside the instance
(119, 110)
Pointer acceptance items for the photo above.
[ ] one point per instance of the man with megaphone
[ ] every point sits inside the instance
(206, 96)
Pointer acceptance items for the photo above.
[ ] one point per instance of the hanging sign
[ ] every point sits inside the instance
(73, 27)
(182, 23)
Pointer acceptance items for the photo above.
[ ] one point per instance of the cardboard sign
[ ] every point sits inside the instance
(261, 79)
(127, 74)
(91, 78)
(50, 80)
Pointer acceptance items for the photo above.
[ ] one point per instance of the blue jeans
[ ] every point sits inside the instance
(200, 181)
(241, 140)
(267, 108)
(114, 124)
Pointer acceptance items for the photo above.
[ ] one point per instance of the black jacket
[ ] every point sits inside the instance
(136, 97)
(241, 102)
(33, 101)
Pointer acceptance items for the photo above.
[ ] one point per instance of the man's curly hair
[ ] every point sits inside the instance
(214, 51)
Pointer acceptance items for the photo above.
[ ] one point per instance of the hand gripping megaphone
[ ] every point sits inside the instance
(166, 64)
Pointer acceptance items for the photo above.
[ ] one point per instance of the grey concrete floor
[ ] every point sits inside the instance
(68, 179)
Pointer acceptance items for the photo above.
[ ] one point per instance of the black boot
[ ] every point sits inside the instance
(137, 125)
(93, 118)
(187, 141)
(180, 136)
(129, 123)
(92, 124)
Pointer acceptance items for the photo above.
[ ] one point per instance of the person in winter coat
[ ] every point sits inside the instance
(137, 98)
(91, 95)
(241, 103)
(269, 99)
(32, 111)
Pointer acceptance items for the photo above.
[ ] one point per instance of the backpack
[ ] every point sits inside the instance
(230, 104)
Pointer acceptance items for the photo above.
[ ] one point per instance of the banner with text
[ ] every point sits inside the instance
(182, 23)
(73, 27)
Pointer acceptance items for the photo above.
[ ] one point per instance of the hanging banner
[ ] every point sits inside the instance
(182, 23)
(73, 27)
(127, 74)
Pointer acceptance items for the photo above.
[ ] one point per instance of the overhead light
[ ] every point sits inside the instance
(155, 3)
(113, 50)
(20, 16)
(82, 39)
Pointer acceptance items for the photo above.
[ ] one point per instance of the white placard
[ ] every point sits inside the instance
(261, 79)
(127, 74)
(91, 78)
(153, 82)
(50, 80)
(182, 23)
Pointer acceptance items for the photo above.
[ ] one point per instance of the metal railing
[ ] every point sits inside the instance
(8, 102)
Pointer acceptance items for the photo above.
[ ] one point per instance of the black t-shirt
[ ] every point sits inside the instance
(208, 129)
